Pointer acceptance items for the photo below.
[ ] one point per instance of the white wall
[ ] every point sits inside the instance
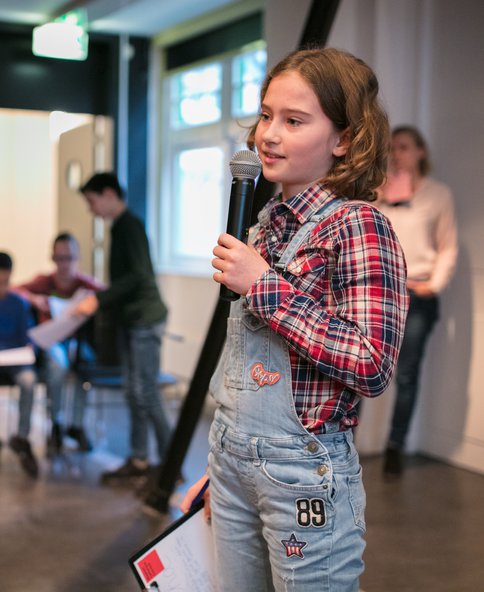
(191, 302)
(428, 55)
(35, 203)
(284, 22)
(28, 206)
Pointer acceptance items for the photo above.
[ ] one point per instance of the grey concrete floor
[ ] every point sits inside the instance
(67, 533)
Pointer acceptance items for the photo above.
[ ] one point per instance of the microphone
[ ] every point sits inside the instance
(245, 166)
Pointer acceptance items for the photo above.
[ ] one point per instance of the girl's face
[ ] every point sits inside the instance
(296, 141)
(405, 154)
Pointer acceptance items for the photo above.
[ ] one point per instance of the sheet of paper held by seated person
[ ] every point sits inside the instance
(63, 323)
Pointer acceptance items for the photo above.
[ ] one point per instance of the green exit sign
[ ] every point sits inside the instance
(65, 38)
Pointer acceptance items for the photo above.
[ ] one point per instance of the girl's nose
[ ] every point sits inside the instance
(271, 133)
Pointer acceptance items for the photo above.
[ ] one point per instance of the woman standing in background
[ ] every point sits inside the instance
(421, 211)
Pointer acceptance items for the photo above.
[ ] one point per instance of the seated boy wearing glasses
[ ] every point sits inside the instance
(63, 282)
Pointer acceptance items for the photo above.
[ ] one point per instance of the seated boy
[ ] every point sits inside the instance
(63, 282)
(15, 319)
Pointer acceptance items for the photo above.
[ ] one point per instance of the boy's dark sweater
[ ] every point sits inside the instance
(133, 293)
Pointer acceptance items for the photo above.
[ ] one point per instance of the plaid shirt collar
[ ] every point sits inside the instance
(303, 205)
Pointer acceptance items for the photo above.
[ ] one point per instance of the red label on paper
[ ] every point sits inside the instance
(151, 566)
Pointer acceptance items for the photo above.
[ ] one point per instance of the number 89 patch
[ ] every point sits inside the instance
(310, 512)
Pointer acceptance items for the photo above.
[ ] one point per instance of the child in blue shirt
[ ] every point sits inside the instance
(15, 319)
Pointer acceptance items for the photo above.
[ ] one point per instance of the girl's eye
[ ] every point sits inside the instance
(264, 117)
(293, 122)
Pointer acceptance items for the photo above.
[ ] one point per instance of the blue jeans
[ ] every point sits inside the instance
(57, 364)
(140, 348)
(25, 378)
(422, 315)
(285, 519)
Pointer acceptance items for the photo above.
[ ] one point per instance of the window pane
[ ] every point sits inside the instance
(198, 201)
(248, 71)
(206, 103)
(196, 96)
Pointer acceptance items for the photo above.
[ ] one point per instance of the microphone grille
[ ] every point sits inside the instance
(245, 163)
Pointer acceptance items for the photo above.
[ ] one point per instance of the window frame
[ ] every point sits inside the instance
(229, 134)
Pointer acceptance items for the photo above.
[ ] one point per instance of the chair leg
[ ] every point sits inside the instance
(47, 411)
(12, 404)
(101, 408)
(5, 402)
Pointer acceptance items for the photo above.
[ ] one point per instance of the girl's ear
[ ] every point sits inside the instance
(343, 144)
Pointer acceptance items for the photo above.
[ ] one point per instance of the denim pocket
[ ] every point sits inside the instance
(357, 499)
(306, 474)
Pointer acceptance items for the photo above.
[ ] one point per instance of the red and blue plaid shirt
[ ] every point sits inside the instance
(340, 305)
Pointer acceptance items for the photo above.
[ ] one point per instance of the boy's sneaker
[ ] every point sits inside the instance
(54, 442)
(21, 447)
(133, 468)
(79, 435)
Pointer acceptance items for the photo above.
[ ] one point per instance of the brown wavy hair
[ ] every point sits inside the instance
(347, 90)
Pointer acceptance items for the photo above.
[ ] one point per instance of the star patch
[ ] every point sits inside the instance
(294, 547)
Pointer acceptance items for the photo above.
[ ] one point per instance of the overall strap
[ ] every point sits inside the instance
(301, 235)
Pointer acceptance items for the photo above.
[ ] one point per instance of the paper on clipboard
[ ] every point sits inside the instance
(181, 559)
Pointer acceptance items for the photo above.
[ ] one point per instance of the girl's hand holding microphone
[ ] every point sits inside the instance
(238, 265)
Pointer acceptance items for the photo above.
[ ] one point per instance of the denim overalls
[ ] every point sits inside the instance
(287, 506)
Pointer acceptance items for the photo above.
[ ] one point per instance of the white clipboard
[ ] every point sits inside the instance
(180, 559)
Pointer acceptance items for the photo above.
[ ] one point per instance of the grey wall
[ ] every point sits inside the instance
(428, 55)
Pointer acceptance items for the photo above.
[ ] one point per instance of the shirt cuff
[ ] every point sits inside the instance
(267, 293)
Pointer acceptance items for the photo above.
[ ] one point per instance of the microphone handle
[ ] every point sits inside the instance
(238, 222)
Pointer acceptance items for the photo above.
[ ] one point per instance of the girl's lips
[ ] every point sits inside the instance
(271, 156)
